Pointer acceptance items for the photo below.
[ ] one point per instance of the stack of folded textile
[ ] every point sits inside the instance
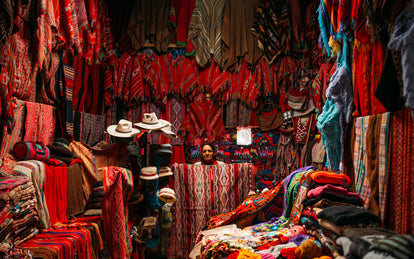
(18, 218)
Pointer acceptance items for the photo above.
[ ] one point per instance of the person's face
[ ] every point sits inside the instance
(207, 153)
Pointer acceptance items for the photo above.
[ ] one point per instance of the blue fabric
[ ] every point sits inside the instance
(329, 125)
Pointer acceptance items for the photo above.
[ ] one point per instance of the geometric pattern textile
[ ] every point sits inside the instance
(203, 192)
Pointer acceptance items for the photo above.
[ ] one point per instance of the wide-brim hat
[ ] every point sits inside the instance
(123, 129)
(166, 131)
(166, 195)
(149, 173)
(151, 122)
(165, 171)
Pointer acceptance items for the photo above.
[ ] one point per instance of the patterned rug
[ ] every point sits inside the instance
(202, 192)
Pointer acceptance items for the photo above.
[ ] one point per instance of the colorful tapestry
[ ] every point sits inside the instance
(40, 123)
(400, 215)
(118, 186)
(202, 192)
(177, 115)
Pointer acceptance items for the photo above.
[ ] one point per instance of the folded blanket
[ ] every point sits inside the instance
(348, 215)
(333, 198)
(332, 189)
(355, 233)
(325, 177)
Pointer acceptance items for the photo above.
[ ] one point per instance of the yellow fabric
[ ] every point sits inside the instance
(247, 254)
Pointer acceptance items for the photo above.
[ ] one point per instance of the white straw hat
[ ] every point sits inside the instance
(166, 195)
(151, 122)
(123, 129)
(149, 173)
(166, 131)
(165, 171)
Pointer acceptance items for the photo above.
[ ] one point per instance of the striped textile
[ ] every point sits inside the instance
(202, 192)
(69, 78)
(89, 128)
(118, 186)
(383, 163)
(360, 158)
(205, 30)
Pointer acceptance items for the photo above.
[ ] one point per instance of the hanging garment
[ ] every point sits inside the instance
(203, 122)
(180, 16)
(266, 76)
(213, 80)
(205, 31)
(267, 27)
(88, 128)
(149, 21)
(237, 40)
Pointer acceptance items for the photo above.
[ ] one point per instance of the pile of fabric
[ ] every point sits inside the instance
(18, 219)
(320, 218)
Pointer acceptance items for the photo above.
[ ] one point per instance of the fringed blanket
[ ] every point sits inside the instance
(118, 186)
(202, 192)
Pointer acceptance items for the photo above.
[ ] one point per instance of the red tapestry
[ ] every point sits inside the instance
(118, 186)
(401, 213)
(202, 192)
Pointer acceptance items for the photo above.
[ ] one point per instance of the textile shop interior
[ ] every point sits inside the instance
(307, 105)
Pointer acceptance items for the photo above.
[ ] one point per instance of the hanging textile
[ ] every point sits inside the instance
(213, 80)
(266, 76)
(172, 76)
(202, 192)
(377, 163)
(237, 40)
(40, 123)
(88, 128)
(205, 30)
(268, 28)
(118, 186)
(177, 116)
(55, 189)
(203, 122)
(76, 201)
(180, 16)
(6, 14)
(148, 21)
(400, 215)
(14, 134)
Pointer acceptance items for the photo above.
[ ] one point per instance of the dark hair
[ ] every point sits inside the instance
(208, 144)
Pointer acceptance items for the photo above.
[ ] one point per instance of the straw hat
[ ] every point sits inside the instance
(166, 195)
(165, 171)
(123, 129)
(166, 131)
(149, 173)
(151, 122)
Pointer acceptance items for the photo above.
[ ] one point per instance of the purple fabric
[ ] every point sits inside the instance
(267, 256)
(299, 239)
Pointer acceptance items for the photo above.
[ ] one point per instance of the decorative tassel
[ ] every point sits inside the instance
(335, 46)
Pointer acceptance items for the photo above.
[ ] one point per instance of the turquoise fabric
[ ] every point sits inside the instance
(329, 125)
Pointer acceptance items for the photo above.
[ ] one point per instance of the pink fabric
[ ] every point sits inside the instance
(332, 189)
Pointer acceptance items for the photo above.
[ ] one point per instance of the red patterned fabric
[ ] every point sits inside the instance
(401, 209)
(212, 80)
(180, 16)
(118, 185)
(13, 134)
(202, 192)
(40, 123)
(203, 120)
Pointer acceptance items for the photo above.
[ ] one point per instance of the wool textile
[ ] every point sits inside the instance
(202, 192)
(118, 185)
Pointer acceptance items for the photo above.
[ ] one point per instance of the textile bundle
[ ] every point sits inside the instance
(202, 192)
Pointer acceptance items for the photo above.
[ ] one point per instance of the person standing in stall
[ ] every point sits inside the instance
(208, 155)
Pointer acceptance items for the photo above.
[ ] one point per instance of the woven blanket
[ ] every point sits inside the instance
(118, 187)
(202, 192)
(40, 123)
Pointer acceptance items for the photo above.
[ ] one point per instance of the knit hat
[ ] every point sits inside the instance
(149, 173)
(166, 195)
(165, 171)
